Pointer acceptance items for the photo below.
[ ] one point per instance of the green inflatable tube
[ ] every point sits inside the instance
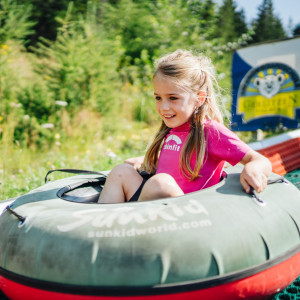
(55, 235)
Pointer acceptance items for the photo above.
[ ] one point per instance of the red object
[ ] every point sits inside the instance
(285, 156)
(259, 286)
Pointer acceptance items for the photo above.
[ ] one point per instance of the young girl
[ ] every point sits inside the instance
(192, 144)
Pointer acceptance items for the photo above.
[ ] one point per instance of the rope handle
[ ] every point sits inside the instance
(19, 217)
(277, 180)
(255, 195)
(73, 171)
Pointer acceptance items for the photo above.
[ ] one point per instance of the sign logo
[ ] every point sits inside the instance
(269, 85)
(272, 89)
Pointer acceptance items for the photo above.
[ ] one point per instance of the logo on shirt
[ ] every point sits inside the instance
(175, 146)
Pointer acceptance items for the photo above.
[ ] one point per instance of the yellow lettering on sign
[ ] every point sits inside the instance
(283, 104)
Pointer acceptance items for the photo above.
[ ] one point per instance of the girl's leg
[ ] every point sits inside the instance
(121, 183)
(160, 186)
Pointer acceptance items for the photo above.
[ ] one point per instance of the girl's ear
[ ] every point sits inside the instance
(201, 97)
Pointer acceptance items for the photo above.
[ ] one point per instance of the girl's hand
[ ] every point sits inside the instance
(136, 162)
(256, 171)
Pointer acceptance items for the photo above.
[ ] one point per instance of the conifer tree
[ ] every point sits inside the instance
(296, 30)
(231, 23)
(240, 22)
(45, 14)
(205, 12)
(267, 26)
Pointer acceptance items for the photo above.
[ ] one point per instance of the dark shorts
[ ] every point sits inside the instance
(136, 195)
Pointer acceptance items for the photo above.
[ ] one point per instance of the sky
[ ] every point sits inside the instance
(284, 9)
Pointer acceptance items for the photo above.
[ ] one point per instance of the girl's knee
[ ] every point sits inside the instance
(123, 169)
(160, 186)
(161, 181)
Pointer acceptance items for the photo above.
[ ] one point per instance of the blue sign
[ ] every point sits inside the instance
(266, 86)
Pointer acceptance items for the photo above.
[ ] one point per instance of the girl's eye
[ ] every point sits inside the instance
(173, 98)
(157, 98)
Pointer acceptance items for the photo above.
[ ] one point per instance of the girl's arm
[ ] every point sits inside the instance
(256, 170)
(136, 162)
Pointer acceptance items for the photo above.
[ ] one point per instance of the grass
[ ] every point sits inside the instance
(29, 168)
(90, 146)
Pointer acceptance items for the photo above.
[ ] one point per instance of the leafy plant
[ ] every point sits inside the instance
(14, 21)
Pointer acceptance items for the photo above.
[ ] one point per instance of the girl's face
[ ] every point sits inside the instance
(174, 104)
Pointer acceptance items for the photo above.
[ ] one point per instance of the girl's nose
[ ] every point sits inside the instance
(164, 105)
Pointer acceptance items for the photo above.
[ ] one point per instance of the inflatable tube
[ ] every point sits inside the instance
(218, 243)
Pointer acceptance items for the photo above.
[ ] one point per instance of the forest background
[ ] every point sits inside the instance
(75, 77)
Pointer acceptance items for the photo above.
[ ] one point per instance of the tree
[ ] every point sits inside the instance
(43, 15)
(15, 23)
(267, 26)
(204, 11)
(231, 23)
(240, 22)
(296, 30)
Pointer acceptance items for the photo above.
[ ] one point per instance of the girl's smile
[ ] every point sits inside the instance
(174, 104)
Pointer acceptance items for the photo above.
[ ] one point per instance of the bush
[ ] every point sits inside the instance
(80, 66)
(14, 20)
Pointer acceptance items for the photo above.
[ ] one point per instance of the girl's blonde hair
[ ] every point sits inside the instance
(194, 74)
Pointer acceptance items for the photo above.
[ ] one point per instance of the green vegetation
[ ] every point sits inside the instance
(75, 78)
